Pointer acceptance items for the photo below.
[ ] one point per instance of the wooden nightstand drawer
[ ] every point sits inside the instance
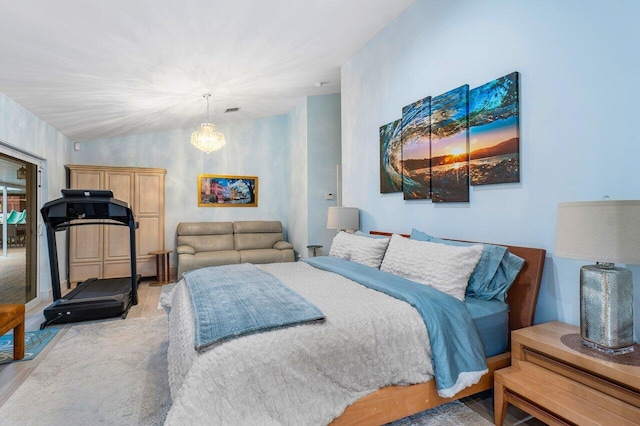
(581, 375)
(560, 385)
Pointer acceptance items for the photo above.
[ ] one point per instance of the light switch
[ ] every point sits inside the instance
(328, 195)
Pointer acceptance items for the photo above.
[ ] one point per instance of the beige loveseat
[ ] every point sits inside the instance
(203, 244)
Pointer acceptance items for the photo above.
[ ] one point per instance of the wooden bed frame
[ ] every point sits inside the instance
(395, 402)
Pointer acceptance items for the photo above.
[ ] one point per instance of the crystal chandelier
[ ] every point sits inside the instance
(207, 139)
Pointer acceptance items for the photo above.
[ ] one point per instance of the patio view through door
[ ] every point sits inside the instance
(18, 230)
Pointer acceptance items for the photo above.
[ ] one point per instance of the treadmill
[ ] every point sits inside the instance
(94, 298)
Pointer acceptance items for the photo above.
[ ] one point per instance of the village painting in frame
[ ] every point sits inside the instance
(227, 191)
(450, 146)
(390, 158)
(494, 132)
(416, 150)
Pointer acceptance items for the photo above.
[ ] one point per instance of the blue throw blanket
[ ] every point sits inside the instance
(456, 350)
(236, 300)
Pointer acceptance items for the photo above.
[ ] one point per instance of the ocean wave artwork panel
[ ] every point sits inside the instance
(494, 131)
(450, 146)
(416, 150)
(390, 157)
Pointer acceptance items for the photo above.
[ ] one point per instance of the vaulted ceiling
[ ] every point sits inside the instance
(102, 69)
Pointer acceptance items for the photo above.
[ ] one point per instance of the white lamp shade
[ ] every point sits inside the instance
(347, 218)
(600, 231)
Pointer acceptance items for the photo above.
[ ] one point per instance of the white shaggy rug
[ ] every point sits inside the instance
(109, 373)
(114, 373)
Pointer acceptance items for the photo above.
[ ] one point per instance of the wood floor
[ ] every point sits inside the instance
(14, 374)
(13, 276)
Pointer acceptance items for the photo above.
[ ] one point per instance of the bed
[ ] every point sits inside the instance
(368, 363)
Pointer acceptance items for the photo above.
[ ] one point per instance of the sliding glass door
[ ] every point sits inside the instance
(18, 230)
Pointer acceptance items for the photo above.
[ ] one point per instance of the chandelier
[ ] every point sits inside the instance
(207, 139)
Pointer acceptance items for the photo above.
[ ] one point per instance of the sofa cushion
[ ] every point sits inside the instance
(256, 226)
(205, 228)
(256, 234)
(202, 243)
(256, 241)
(266, 256)
(206, 236)
(216, 258)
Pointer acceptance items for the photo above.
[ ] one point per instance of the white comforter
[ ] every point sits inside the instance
(302, 375)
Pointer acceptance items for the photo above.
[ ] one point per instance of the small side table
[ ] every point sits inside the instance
(314, 247)
(162, 267)
(561, 385)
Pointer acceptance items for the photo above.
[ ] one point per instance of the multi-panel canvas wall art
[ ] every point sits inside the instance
(494, 132)
(390, 158)
(416, 150)
(444, 143)
(449, 146)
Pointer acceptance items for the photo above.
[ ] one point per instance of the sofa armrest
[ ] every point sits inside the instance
(282, 245)
(185, 250)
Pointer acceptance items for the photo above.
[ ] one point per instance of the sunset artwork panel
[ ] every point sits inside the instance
(450, 146)
(416, 150)
(390, 158)
(494, 132)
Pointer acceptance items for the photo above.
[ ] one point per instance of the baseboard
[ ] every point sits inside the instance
(46, 296)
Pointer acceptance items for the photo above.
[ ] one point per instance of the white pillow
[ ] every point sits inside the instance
(444, 267)
(364, 250)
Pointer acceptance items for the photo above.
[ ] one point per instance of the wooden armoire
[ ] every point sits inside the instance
(103, 251)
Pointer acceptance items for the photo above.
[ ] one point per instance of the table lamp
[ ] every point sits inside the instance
(605, 232)
(343, 218)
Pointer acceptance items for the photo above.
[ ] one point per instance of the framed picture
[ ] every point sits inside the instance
(450, 146)
(390, 158)
(227, 191)
(416, 150)
(494, 131)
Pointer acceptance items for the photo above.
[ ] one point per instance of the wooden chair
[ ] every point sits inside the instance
(12, 317)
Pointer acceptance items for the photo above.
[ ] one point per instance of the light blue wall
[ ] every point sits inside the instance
(26, 132)
(298, 208)
(578, 96)
(254, 148)
(323, 138)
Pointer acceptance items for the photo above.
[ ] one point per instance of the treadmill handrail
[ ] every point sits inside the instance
(61, 209)
(66, 225)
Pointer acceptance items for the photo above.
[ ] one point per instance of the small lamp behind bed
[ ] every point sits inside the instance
(607, 232)
(343, 218)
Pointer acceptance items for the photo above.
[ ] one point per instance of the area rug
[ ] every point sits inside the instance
(451, 414)
(110, 372)
(115, 373)
(34, 342)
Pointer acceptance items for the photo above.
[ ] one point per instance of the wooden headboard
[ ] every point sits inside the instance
(522, 297)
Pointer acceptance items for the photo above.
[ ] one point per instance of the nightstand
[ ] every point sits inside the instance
(560, 385)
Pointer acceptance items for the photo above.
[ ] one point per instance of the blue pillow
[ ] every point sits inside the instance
(495, 272)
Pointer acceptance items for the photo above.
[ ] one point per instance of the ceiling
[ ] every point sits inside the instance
(102, 69)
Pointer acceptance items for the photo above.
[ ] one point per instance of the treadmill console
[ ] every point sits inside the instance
(93, 193)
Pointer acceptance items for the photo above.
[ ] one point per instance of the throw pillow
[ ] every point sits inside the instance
(495, 273)
(446, 268)
(364, 250)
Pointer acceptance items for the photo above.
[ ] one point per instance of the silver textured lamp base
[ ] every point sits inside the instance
(606, 308)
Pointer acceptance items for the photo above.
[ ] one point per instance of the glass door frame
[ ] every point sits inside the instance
(22, 155)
